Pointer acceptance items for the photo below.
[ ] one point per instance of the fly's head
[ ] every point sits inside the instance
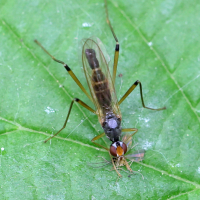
(118, 149)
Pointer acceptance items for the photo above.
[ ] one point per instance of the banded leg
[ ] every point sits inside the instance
(68, 70)
(116, 46)
(70, 108)
(141, 95)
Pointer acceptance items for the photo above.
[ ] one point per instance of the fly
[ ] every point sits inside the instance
(103, 96)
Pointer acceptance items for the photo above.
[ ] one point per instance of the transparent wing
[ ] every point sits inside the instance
(136, 156)
(99, 79)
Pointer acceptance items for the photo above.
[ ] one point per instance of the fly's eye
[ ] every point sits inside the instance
(113, 151)
(124, 147)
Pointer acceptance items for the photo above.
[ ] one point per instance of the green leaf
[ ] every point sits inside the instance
(159, 45)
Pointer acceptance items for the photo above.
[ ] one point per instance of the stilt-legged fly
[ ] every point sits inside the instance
(103, 95)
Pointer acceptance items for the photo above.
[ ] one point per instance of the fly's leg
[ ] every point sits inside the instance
(70, 108)
(115, 66)
(141, 95)
(98, 137)
(67, 68)
(127, 140)
(114, 165)
(135, 130)
(116, 46)
(141, 153)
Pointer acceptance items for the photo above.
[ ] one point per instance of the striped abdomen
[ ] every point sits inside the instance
(99, 82)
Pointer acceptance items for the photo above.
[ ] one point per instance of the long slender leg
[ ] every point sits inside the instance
(116, 46)
(70, 108)
(98, 137)
(141, 95)
(68, 70)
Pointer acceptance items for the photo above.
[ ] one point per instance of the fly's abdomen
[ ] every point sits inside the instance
(101, 89)
(99, 82)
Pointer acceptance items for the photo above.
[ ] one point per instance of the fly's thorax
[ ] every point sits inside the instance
(118, 149)
(112, 126)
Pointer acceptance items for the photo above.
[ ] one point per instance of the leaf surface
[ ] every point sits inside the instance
(159, 45)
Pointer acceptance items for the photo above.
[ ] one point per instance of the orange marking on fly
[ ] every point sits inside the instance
(119, 151)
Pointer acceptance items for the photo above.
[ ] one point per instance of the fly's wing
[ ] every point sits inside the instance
(99, 79)
(103, 49)
(136, 156)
